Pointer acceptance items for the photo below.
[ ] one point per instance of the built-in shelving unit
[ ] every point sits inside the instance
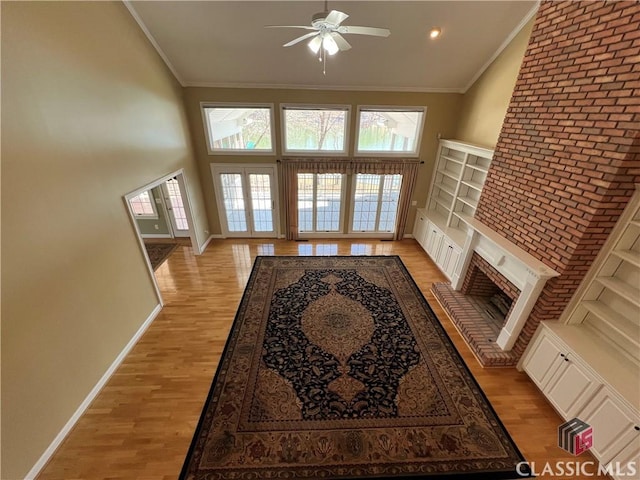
(459, 177)
(609, 303)
(588, 363)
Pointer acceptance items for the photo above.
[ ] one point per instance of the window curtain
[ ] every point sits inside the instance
(290, 167)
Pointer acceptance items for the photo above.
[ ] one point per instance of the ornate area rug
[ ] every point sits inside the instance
(159, 252)
(336, 367)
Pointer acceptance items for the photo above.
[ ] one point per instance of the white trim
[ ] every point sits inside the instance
(503, 45)
(228, 151)
(315, 106)
(390, 108)
(206, 243)
(153, 41)
(156, 235)
(346, 88)
(53, 446)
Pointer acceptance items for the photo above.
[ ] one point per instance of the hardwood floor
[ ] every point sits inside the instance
(141, 424)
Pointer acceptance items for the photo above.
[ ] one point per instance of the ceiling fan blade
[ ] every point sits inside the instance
(315, 44)
(335, 17)
(377, 32)
(340, 41)
(291, 26)
(299, 39)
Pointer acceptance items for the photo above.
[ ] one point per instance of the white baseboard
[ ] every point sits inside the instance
(44, 458)
(408, 235)
(211, 237)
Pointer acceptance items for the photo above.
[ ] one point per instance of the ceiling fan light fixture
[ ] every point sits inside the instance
(315, 43)
(435, 32)
(330, 45)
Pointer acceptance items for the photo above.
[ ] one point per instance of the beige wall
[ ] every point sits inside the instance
(441, 118)
(89, 113)
(485, 104)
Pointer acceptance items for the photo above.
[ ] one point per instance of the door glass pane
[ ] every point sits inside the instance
(365, 202)
(369, 199)
(389, 203)
(305, 202)
(260, 187)
(328, 200)
(175, 200)
(233, 201)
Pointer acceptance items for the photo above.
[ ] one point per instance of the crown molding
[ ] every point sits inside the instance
(358, 88)
(504, 45)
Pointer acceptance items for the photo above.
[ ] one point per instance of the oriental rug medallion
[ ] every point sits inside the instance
(336, 367)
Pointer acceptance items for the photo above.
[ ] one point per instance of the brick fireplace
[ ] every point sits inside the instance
(568, 154)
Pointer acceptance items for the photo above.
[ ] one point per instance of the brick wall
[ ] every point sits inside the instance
(568, 153)
(484, 280)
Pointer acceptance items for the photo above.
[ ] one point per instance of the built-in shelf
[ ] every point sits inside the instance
(621, 325)
(465, 168)
(468, 201)
(608, 302)
(451, 175)
(475, 185)
(477, 167)
(628, 256)
(626, 291)
(445, 188)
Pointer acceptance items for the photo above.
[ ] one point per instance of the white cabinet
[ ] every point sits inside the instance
(433, 241)
(442, 250)
(614, 425)
(448, 256)
(629, 457)
(420, 227)
(565, 381)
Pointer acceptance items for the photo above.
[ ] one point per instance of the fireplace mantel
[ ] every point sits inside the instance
(523, 270)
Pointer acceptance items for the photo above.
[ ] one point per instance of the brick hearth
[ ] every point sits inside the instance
(476, 328)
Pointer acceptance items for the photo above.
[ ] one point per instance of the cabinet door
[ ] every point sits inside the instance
(542, 360)
(613, 425)
(444, 254)
(420, 229)
(571, 387)
(433, 241)
(622, 464)
(452, 261)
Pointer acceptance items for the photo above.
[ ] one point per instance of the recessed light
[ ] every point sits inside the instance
(435, 32)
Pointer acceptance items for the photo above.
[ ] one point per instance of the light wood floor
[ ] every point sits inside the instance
(141, 424)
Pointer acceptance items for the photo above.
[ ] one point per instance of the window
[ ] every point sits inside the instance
(389, 131)
(232, 128)
(143, 206)
(315, 129)
(375, 203)
(319, 202)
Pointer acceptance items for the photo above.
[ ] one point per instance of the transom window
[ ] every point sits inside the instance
(389, 131)
(321, 130)
(233, 128)
(143, 206)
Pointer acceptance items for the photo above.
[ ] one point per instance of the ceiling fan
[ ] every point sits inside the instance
(327, 32)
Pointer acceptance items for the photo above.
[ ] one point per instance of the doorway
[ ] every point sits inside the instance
(247, 198)
(161, 212)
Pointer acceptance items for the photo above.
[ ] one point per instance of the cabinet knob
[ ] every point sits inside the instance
(637, 428)
(562, 355)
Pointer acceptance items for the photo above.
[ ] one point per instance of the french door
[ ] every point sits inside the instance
(175, 206)
(247, 200)
(374, 206)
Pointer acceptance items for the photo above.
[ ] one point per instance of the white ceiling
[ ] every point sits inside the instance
(224, 43)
